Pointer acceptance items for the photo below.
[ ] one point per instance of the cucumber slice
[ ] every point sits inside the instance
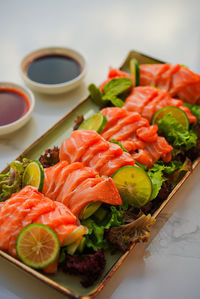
(175, 112)
(75, 235)
(73, 247)
(133, 184)
(96, 122)
(34, 175)
(89, 209)
(135, 71)
(37, 245)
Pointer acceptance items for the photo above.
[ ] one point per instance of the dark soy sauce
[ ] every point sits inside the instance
(13, 105)
(53, 69)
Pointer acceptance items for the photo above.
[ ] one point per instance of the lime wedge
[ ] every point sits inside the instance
(175, 112)
(96, 122)
(37, 245)
(34, 175)
(133, 184)
(135, 71)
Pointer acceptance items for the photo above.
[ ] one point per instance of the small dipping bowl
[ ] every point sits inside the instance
(16, 107)
(53, 70)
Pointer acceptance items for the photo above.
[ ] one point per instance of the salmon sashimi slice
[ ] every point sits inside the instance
(159, 100)
(178, 80)
(128, 119)
(130, 129)
(99, 156)
(148, 76)
(19, 209)
(113, 165)
(77, 187)
(65, 181)
(190, 93)
(77, 147)
(95, 149)
(138, 140)
(139, 97)
(142, 156)
(94, 190)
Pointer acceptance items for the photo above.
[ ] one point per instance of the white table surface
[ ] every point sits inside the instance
(104, 31)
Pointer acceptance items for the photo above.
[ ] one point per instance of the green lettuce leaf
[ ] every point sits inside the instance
(176, 134)
(11, 181)
(96, 226)
(195, 110)
(158, 174)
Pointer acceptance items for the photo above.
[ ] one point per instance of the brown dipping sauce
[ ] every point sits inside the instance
(53, 69)
(13, 105)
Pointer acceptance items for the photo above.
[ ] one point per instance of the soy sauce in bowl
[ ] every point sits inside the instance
(14, 105)
(53, 69)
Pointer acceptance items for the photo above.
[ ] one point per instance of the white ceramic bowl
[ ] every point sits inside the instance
(53, 88)
(9, 128)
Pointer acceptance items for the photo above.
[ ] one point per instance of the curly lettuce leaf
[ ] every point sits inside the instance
(125, 235)
(158, 174)
(96, 226)
(195, 110)
(176, 134)
(11, 181)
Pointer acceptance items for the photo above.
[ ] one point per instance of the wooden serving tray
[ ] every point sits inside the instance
(68, 284)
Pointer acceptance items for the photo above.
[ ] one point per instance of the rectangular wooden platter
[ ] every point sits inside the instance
(67, 284)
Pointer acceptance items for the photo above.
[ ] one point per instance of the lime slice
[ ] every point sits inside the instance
(96, 122)
(135, 71)
(133, 184)
(34, 175)
(37, 245)
(175, 112)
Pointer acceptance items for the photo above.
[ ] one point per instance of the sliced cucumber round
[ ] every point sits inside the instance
(96, 122)
(175, 112)
(89, 209)
(135, 71)
(133, 184)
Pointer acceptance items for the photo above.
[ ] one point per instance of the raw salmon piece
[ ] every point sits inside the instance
(95, 149)
(93, 190)
(102, 158)
(130, 118)
(67, 180)
(140, 97)
(132, 144)
(178, 80)
(76, 147)
(19, 209)
(190, 93)
(151, 105)
(143, 157)
(113, 116)
(148, 134)
(113, 165)
(136, 137)
(96, 160)
(149, 75)
(130, 129)
(78, 186)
